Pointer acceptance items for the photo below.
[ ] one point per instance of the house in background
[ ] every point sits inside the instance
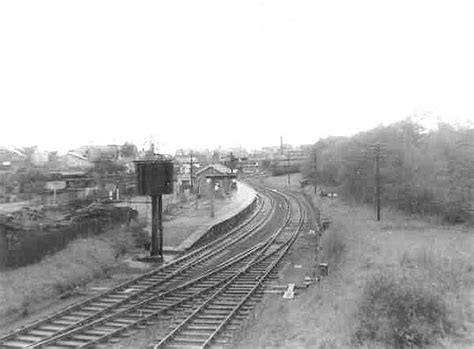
(76, 160)
(12, 159)
(186, 178)
(95, 153)
(40, 157)
(104, 152)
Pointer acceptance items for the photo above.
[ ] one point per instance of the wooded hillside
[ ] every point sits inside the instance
(426, 172)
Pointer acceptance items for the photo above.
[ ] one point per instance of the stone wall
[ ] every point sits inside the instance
(226, 225)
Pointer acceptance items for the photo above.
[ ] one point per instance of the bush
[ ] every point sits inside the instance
(455, 212)
(139, 234)
(401, 312)
(333, 245)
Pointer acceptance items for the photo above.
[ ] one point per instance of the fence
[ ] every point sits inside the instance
(20, 246)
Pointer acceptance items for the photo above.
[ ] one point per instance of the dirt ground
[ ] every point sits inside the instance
(323, 315)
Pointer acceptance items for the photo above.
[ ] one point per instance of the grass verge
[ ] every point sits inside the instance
(400, 282)
(83, 260)
(333, 247)
(406, 281)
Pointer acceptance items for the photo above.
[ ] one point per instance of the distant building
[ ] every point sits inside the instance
(246, 165)
(12, 159)
(291, 160)
(222, 176)
(39, 158)
(95, 153)
(183, 165)
(76, 161)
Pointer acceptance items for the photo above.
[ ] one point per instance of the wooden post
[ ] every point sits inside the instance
(212, 198)
(377, 180)
(160, 225)
(315, 171)
(154, 226)
(198, 189)
(288, 167)
(191, 187)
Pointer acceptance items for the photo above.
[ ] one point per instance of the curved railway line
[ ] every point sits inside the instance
(213, 321)
(207, 290)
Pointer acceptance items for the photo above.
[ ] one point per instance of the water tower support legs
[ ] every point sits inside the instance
(160, 225)
(156, 226)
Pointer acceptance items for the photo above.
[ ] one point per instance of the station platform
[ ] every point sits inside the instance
(224, 209)
(190, 222)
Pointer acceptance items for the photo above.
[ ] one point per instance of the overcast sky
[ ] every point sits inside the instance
(227, 73)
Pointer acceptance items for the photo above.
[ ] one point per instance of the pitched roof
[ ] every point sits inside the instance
(6, 151)
(77, 155)
(218, 167)
(18, 152)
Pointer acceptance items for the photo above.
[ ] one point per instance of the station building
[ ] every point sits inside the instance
(222, 177)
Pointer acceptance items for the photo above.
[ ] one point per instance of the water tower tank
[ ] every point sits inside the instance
(155, 177)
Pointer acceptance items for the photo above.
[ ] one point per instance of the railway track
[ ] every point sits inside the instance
(174, 288)
(138, 288)
(214, 321)
(144, 312)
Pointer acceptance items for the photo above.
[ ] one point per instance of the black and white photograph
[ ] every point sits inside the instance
(237, 174)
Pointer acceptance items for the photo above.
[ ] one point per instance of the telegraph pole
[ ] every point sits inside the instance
(212, 184)
(5, 186)
(288, 167)
(191, 171)
(377, 180)
(315, 171)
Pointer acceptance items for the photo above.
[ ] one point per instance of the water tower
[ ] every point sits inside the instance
(155, 177)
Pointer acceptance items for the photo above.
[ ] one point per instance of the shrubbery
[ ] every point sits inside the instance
(401, 312)
(333, 245)
(31, 245)
(422, 172)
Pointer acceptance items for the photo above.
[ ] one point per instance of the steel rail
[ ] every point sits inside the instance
(136, 307)
(229, 282)
(259, 283)
(233, 280)
(76, 330)
(221, 243)
(143, 319)
(207, 250)
(193, 298)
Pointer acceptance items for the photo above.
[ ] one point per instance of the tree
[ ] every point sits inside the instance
(106, 170)
(128, 150)
(421, 172)
(31, 181)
